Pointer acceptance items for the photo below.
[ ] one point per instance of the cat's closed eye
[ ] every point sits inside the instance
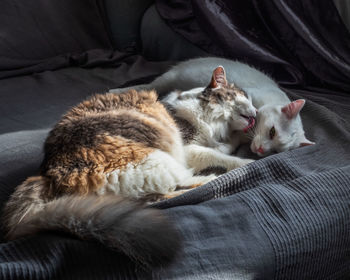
(272, 132)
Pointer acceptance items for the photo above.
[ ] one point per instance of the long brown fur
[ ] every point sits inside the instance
(100, 135)
(143, 234)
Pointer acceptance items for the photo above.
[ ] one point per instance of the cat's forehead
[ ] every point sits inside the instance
(271, 115)
(270, 110)
(268, 115)
(226, 93)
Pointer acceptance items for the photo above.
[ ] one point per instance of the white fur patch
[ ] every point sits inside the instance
(200, 157)
(158, 173)
(210, 124)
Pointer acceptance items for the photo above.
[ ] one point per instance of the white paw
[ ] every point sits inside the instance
(239, 163)
(209, 178)
(224, 148)
(246, 161)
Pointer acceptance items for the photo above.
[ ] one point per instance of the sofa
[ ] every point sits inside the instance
(286, 216)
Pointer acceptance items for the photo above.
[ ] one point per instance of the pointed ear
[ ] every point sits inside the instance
(292, 109)
(218, 78)
(305, 142)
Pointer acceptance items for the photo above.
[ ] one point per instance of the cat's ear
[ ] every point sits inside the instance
(292, 109)
(218, 78)
(305, 142)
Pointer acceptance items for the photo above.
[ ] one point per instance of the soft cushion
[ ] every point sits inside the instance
(37, 101)
(35, 32)
(160, 42)
(124, 18)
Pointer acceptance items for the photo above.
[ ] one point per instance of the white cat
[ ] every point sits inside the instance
(279, 127)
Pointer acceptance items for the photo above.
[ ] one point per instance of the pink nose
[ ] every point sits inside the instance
(260, 150)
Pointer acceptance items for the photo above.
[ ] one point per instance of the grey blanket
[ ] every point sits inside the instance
(286, 216)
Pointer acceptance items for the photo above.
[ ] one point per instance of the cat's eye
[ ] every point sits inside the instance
(272, 132)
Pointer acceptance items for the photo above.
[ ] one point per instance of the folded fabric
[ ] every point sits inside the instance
(296, 42)
(39, 35)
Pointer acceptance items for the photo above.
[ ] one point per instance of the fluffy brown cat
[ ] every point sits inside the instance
(116, 146)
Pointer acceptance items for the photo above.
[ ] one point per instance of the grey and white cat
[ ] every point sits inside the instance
(211, 119)
(279, 126)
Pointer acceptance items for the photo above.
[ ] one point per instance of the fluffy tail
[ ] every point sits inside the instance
(143, 234)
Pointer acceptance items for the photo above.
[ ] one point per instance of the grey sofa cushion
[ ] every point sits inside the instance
(136, 26)
(160, 42)
(124, 18)
(38, 101)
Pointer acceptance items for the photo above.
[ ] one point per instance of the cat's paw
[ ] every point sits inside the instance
(239, 162)
(197, 181)
(246, 161)
(224, 148)
(208, 178)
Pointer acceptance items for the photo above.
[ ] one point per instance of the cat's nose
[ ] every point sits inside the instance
(260, 150)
